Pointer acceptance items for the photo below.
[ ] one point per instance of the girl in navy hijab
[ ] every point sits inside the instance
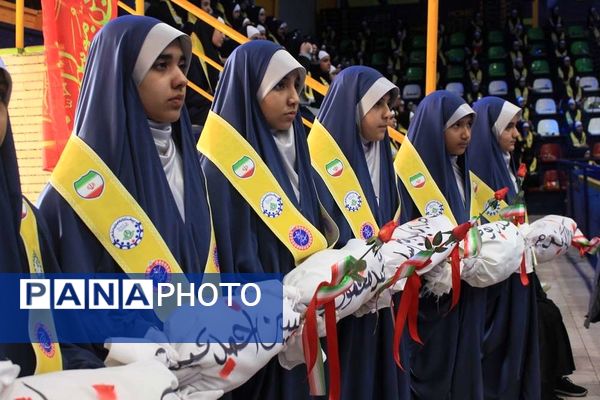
(130, 114)
(13, 257)
(355, 112)
(257, 96)
(511, 367)
(448, 365)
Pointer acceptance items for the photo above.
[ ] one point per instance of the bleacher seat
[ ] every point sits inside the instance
(596, 150)
(594, 126)
(540, 67)
(584, 66)
(416, 57)
(414, 74)
(456, 88)
(378, 60)
(498, 88)
(496, 53)
(576, 32)
(591, 105)
(589, 84)
(537, 50)
(543, 85)
(545, 106)
(455, 72)
(411, 91)
(418, 42)
(551, 181)
(457, 39)
(495, 38)
(535, 35)
(497, 70)
(579, 49)
(550, 152)
(456, 56)
(548, 127)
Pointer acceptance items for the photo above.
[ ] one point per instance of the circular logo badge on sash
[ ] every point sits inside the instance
(271, 205)
(126, 233)
(215, 255)
(300, 237)
(434, 208)
(492, 210)
(38, 268)
(367, 230)
(44, 339)
(352, 201)
(159, 271)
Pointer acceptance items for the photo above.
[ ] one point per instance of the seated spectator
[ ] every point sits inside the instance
(561, 51)
(521, 90)
(525, 109)
(477, 23)
(474, 93)
(519, 70)
(477, 44)
(578, 140)
(208, 41)
(594, 23)
(555, 18)
(573, 113)
(558, 34)
(171, 14)
(475, 72)
(515, 52)
(263, 31)
(253, 33)
(513, 21)
(566, 73)
(233, 13)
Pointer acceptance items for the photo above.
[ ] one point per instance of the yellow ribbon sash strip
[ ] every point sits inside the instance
(417, 180)
(114, 216)
(481, 193)
(248, 173)
(331, 164)
(41, 324)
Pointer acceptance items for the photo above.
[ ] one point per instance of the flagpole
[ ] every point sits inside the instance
(432, 44)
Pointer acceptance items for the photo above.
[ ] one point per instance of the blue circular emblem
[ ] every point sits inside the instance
(300, 237)
(44, 340)
(434, 208)
(492, 210)
(367, 231)
(352, 201)
(271, 205)
(159, 271)
(126, 233)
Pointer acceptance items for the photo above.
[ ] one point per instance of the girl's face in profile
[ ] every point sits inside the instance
(375, 122)
(280, 105)
(162, 91)
(458, 136)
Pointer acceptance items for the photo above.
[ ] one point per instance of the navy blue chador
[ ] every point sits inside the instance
(110, 118)
(368, 368)
(13, 258)
(246, 244)
(511, 357)
(449, 363)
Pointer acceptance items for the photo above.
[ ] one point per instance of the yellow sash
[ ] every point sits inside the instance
(248, 173)
(417, 180)
(481, 193)
(115, 218)
(331, 164)
(41, 324)
(197, 45)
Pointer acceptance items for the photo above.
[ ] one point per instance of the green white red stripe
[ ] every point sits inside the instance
(334, 167)
(90, 185)
(244, 167)
(515, 211)
(472, 243)
(417, 180)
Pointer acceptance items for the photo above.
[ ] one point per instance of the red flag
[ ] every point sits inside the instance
(69, 27)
